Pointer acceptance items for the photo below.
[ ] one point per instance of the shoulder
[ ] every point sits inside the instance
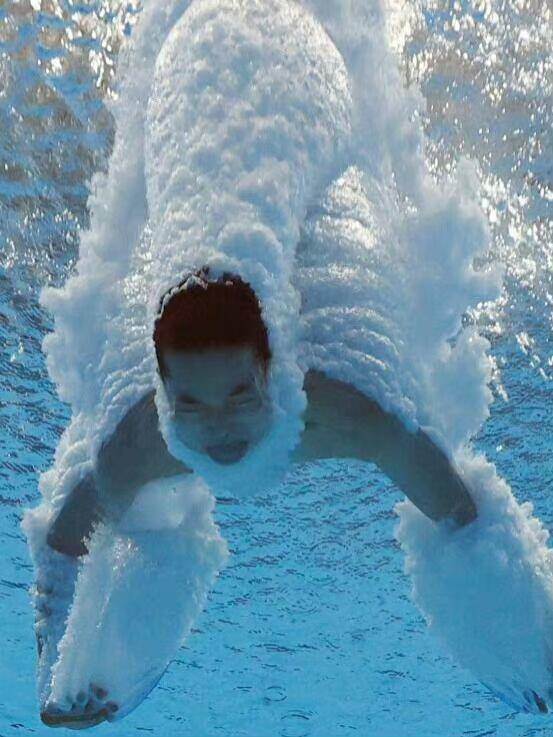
(136, 452)
(134, 434)
(340, 421)
(344, 399)
(141, 415)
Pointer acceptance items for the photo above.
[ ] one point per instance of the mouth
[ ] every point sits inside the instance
(227, 453)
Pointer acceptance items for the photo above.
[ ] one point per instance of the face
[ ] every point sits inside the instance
(219, 399)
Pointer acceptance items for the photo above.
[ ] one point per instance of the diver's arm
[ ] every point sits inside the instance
(341, 422)
(76, 520)
(134, 455)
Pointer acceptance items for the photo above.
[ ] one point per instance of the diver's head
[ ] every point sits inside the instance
(213, 357)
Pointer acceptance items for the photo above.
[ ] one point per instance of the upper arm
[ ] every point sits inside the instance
(341, 422)
(136, 452)
(134, 455)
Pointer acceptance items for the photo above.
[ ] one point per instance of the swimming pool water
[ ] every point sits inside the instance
(310, 629)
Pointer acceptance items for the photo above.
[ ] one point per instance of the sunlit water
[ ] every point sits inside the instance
(310, 629)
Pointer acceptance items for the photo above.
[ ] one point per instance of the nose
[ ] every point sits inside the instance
(220, 423)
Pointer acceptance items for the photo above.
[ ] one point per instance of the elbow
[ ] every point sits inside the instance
(73, 548)
(465, 512)
(465, 515)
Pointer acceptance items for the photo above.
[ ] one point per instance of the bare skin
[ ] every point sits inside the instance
(340, 422)
(220, 404)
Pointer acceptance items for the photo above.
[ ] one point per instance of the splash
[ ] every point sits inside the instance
(486, 72)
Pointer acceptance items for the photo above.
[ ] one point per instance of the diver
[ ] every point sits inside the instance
(263, 123)
(214, 360)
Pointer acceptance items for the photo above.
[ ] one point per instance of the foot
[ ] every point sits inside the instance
(87, 710)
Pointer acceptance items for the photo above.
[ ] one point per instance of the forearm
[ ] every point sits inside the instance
(133, 456)
(100, 498)
(76, 520)
(425, 475)
(341, 422)
(92, 501)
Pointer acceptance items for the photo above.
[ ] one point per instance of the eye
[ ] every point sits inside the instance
(184, 402)
(244, 395)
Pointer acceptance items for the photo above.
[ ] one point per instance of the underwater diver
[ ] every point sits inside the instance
(248, 120)
(214, 360)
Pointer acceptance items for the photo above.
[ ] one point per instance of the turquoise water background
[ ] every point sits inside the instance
(310, 630)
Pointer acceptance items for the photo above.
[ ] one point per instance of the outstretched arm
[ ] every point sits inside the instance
(134, 455)
(341, 422)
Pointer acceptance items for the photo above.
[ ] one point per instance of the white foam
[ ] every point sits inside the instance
(52, 594)
(487, 590)
(171, 204)
(243, 126)
(383, 292)
(118, 619)
(190, 187)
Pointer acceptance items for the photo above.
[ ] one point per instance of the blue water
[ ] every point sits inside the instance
(310, 629)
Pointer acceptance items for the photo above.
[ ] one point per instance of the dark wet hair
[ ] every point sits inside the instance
(208, 314)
